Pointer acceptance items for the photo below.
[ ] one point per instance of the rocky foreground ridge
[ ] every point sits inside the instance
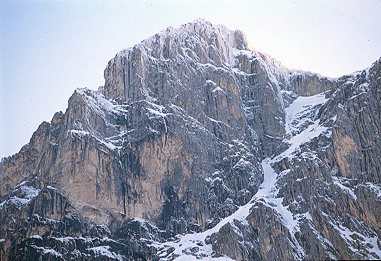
(197, 147)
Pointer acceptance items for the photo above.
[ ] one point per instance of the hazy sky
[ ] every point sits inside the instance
(50, 48)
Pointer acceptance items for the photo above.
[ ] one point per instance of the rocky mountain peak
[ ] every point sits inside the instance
(202, 31)
(199, 42)
(197, 147)
(197, 36)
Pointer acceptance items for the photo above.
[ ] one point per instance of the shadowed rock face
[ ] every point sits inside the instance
(187, 127)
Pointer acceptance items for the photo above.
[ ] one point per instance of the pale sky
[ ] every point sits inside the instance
(50, 48)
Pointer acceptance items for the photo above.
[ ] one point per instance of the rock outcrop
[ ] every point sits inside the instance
(198, 146)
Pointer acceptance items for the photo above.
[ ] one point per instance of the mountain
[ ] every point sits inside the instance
(197, 147)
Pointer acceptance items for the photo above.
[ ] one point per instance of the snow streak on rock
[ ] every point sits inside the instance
(192, 246)
(194, 131)
(21, 195)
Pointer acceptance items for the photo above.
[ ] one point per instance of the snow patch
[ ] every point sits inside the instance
(79, 132)
(64, 239)
(374, 188)
(25, 195)
(267, 193)
(312, 131)
(36, 237)
(351, 237)
(47, 251)
(218, 89)
(297, 112)
(106, 252)
(339, 182)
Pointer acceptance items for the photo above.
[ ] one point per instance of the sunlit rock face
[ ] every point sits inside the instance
(198, 147)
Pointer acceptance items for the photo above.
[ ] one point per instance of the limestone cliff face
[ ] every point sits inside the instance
(325, 196)
(195, 133)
